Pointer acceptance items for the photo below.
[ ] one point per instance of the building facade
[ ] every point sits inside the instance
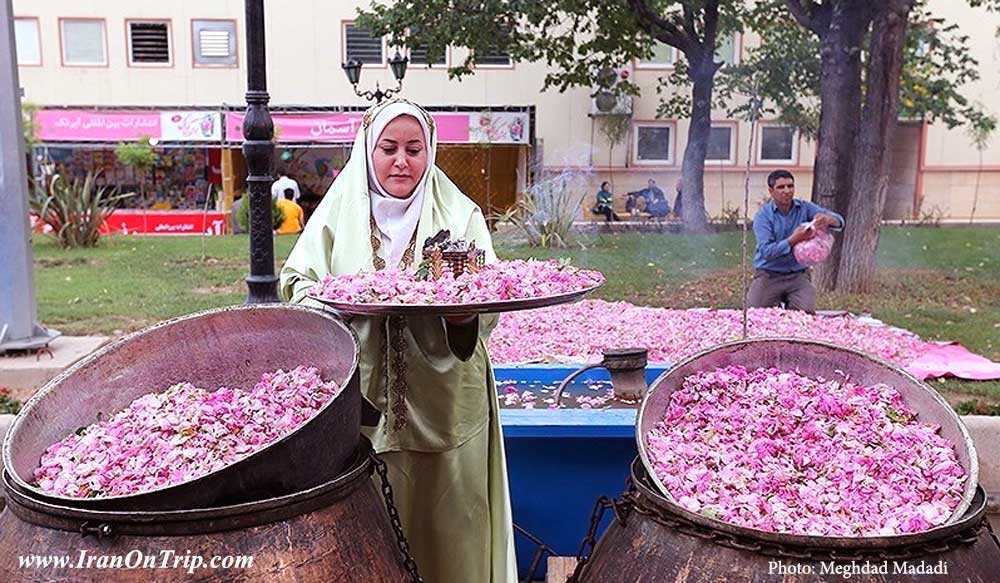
(187, 54)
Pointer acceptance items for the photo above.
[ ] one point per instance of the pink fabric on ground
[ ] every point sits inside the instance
(938, 359)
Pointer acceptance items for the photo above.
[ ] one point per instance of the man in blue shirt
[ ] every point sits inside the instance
(778, 278)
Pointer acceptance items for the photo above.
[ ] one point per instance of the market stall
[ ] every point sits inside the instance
(485, 152)
(177, 195)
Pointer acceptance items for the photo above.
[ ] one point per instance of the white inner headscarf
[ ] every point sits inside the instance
(396, 218)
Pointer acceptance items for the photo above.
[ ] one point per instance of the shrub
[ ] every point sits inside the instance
(7, 403)
(75, 210)
(243, 214)
(545, 213)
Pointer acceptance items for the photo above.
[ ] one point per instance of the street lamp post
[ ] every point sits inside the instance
(258, 149)
(18, 310)
(398, 65)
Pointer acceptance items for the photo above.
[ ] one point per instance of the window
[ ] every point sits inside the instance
(720, 144)
(493, 58)
(148, 42)
(726, 50)
(777, 144)
(214, 43)
(362, 46)
(654, 144)
(83, 42)
(27, 41)
(664, 55)
(419, 57)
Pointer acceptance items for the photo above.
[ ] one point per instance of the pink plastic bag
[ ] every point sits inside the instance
(815, 250)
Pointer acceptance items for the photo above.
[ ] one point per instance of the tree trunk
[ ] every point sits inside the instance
(693, 167)
(874, 147)
(840, 113)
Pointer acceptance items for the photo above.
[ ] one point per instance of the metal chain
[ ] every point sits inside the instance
(633, 501)
(404, 547)
(589, 541)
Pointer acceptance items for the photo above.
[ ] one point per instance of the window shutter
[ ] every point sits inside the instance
(149, 42)
(362, 46)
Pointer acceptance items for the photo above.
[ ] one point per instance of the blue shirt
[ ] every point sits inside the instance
(772, 228)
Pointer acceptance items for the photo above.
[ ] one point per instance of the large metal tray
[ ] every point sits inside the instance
(388, 309)
(223, 347)
(814, 359)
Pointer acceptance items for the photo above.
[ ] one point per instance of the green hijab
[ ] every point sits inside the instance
(337, 239)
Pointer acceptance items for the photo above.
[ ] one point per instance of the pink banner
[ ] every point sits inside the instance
(73, 125)
(341, 127)
(70, 125)
(334, 127)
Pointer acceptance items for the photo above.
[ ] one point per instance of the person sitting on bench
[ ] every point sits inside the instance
(604, 204)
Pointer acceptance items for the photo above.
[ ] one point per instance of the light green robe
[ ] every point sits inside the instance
(447, 463)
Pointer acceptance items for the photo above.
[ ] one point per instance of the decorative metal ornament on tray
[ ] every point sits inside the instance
(454, 279)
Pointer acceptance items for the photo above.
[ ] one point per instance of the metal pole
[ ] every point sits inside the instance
(258, 129)
(18, 329)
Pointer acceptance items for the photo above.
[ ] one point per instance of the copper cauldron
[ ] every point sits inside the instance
(338, 530)
(222, 347)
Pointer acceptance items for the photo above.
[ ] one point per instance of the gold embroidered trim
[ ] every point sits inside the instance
(366, 119)
(399, 388)
(393, 343)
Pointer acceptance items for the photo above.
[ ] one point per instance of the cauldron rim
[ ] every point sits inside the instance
(975, 512)
(189, 521)
(17, 483)
(972, 468)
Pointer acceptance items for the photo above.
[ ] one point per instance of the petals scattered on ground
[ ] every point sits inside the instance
(581, 331)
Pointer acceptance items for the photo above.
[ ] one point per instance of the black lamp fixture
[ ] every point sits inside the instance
(397, 63)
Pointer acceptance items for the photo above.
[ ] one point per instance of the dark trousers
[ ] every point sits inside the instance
(794, 291)
(608, 212)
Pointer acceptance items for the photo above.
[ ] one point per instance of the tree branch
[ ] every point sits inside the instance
(802, 11)
(711, 30)
(660, 28)
(688, 23)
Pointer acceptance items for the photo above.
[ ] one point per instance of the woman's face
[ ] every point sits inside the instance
(400, 156)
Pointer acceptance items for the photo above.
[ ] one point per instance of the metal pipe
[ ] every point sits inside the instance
(258, 149)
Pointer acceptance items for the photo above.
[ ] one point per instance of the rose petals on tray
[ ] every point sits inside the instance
(496, 282)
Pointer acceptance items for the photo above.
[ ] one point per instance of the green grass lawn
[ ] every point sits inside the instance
(939, 283)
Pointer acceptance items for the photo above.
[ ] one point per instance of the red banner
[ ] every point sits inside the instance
(133, 222)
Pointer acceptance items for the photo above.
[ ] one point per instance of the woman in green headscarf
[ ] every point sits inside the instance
(430, 377)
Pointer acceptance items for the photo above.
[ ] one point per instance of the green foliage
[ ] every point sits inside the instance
(575, 38)
(784, 69)
(137, 155)
(977, 407)
(937, 64)
(243, 214)
(981, 128)
(8, 405)
(28, 110)
(75, 210)
(615, 127)
(545, 213)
